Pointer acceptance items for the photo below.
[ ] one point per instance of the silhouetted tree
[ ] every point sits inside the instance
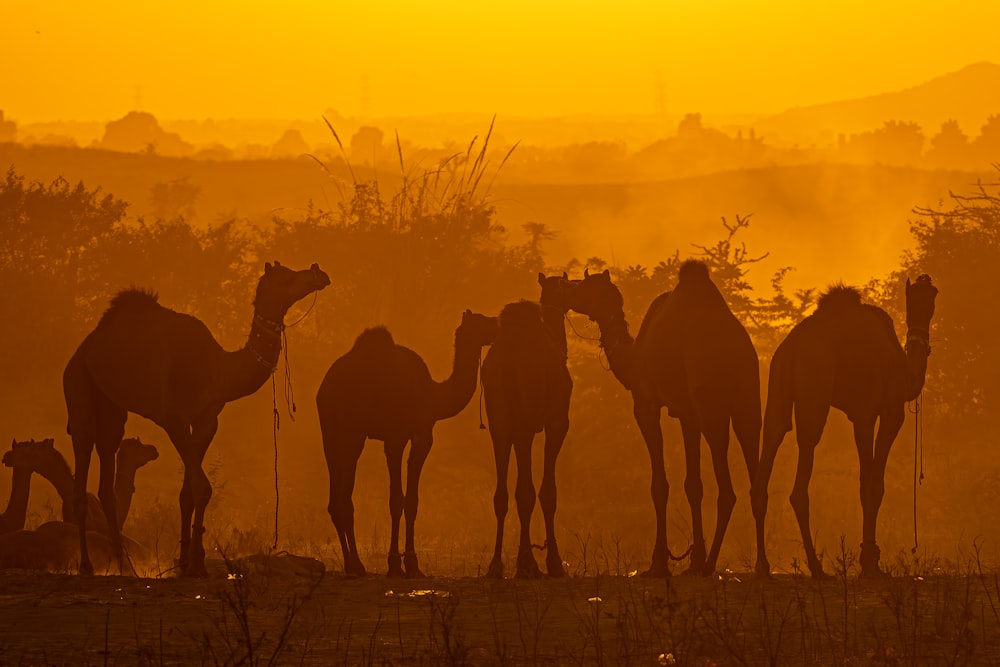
(957, 244)
(987, 144)
(896, 143)
(139, 131)
(366, 145)
(174, 199)
(291, 143)
(949, 148)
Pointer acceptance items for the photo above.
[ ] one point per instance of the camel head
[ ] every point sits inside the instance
(476, 329)
(134, 453)
(556, 291)
(920, 296)
(596, 296)
(280, 287)
(31, 454)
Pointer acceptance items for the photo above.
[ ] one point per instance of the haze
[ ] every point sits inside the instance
(186, 59)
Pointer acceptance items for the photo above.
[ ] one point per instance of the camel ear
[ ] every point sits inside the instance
(565, 276)
(13, 442)
(267, 268)
(586, 273)
(541, 278)
(607, 274)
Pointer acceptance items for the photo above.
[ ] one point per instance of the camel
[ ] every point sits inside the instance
(166, 366)
(133, 453)
(693, 357)
(42, 458)
(527, 389)
(384, 391)
(845, 355)
(54, 545)
(14, 516)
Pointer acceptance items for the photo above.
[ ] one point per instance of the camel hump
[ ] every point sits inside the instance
(375, 339)
(692, 270)
(521, 315)
(130, 300)
(837, 297)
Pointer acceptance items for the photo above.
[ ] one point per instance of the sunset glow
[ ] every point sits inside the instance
(186, 59)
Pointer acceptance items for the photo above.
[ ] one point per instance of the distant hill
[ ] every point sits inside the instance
(968, 96)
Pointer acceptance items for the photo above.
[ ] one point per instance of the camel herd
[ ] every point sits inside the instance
(690, 355)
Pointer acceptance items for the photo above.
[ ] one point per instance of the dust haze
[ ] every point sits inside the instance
(417, 219)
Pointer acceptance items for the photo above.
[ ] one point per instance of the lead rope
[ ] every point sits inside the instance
(918, 461)
(482, 425)
(277, 425)
(289, 406)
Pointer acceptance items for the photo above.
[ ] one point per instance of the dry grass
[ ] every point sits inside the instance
(927, 613)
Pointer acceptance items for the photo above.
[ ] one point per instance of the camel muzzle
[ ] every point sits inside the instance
(322, 280)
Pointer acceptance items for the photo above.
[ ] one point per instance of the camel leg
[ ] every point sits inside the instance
(524, 496)
(501, 453)
(81, 404)
(83, 447)
(196, 490)
(694, 491)
(394, 461)
(420, 447)
(342, 454)
(110, 430)
(809, 423)
(717, 436)
(890, 422)
(647, 416)
(770, 443)
(555, 434)
(747, 426)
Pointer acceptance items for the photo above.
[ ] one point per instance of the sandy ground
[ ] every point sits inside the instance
(288, 611)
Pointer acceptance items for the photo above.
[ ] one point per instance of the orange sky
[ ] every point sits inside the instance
(293, 59)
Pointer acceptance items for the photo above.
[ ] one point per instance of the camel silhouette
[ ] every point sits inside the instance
(16, 512)
(167, 367)
(133, 454)
(384, 391)
(42, 458)
(845, 355)
(527, 389)
(693, 357)
(54, 545)
(28, 457)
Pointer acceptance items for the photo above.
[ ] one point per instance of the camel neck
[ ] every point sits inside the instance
(58, 473)
(617, 343)
(264, 341)
(918, 348)
(17, 506)
(245, 370)
(124, 490)
(450, 396)
(555, 322)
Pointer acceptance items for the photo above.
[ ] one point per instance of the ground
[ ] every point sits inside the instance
(286, 610)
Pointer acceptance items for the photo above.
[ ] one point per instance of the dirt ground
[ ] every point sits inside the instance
(285, 610)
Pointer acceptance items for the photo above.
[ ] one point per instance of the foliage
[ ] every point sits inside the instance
(957, 244)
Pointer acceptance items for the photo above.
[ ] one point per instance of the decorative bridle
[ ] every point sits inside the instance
(919, 335)
(620, 333)
(264, 342)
